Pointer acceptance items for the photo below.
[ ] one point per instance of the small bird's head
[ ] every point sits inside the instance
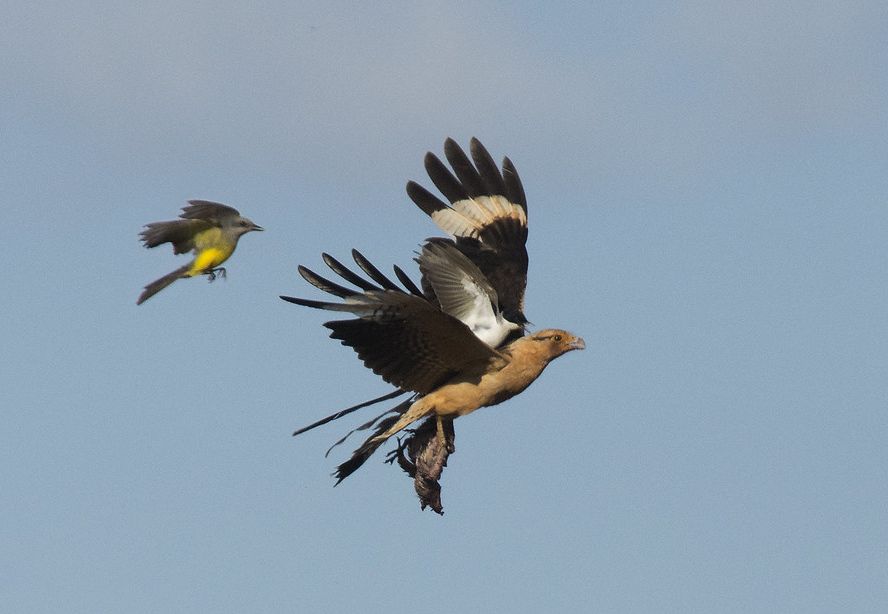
(556, 342)
(244, 225)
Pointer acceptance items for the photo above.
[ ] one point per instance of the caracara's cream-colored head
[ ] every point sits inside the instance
(549, 343)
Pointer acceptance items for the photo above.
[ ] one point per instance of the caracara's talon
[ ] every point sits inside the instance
(393, 455)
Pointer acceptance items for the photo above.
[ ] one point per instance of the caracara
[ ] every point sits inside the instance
(458, 342)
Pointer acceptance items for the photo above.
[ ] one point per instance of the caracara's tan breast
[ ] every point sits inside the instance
(495, 386)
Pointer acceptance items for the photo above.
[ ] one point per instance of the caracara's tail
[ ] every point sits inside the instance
(156, 286)
(373, 442)
(348, 410)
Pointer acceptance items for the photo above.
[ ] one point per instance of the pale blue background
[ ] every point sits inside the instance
(708, 187)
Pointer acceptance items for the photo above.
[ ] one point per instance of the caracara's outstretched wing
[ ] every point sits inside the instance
(400, 335)
(487, 217)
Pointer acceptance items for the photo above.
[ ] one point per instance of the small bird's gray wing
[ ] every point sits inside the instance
(178, 232)
(486, 215)
(208, 211)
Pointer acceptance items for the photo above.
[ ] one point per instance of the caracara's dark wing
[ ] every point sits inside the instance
(486, 214)
(401, 336)
(208, 211)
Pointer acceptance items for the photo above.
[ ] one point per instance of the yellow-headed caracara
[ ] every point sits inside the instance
(458, 342)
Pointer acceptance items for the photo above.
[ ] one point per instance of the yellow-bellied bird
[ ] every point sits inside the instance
(459, 342)
(210, 230)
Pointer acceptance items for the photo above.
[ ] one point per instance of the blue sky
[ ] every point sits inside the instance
(707, 199)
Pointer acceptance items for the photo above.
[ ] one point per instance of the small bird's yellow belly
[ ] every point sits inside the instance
(207, 259)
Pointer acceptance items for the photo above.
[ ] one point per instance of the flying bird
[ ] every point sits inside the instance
(210, 230)
(459, 341)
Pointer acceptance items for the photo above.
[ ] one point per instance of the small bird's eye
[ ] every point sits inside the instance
(557, 337)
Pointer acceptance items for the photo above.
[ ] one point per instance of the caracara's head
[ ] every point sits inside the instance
(553, 342)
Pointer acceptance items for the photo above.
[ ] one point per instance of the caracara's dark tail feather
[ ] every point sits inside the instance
(344, 412)
(398, 410)
(365, 451)
(159, 284)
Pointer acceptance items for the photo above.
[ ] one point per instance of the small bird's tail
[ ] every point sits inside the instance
(157, 285)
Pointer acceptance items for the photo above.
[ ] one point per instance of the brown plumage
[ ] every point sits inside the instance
(458, 343)
(423, 456)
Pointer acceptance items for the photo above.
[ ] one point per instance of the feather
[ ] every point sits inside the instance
(322, 283)
(408, 283)
(347, 274)
(348, 410)
(374, 273)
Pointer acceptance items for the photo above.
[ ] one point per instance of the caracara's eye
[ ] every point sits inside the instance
(557, 337)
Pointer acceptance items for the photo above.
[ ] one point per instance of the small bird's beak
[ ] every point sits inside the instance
(257, 227)
(578, 344)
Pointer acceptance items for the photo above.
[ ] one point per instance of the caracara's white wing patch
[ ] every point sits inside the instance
(466, 218)
(464, 292)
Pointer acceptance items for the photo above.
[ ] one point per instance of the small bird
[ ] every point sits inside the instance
(210, 230)
(458, 342)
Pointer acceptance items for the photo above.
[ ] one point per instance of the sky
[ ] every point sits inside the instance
(708, 205)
